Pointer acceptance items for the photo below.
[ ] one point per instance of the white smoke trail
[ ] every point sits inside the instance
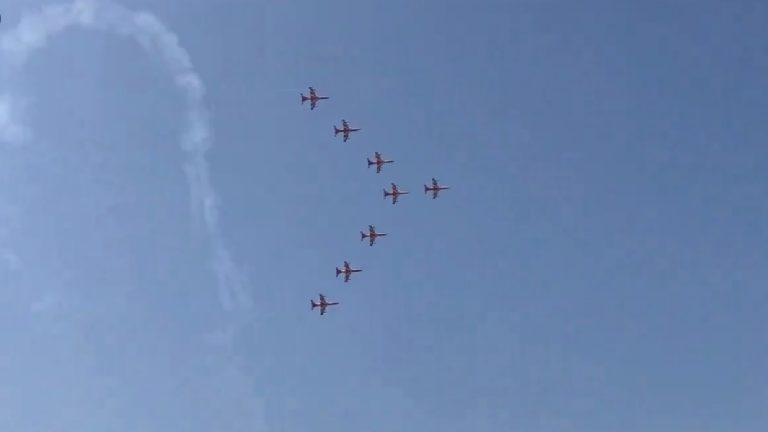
(32, 33)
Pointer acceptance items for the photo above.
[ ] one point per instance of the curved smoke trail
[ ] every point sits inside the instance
(32, 33)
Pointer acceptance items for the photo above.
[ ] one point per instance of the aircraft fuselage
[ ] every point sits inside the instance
(313, 98)
(345, 271)
(314, 305)
(372, 235)
(322, 305)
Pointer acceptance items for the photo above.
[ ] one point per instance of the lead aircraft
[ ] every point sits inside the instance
(345, 130)
(435, 189)
(312, 98)
(347, 271)
(378, 161)
(322, 305)
(372, 234)
(395, 194)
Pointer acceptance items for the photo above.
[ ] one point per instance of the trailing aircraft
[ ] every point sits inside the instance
(345, 130)
(378, 161)
(322, 305)
(435, 189)
(347, 271)
(395, 194)
(312, 98)
(372, 235)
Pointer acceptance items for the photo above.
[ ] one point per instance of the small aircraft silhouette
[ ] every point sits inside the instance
(435, 189)
(372, 235)
(322, 305)
(378, 161)
(395, 194)
(347, 271)
(312, 98)
(345, 130)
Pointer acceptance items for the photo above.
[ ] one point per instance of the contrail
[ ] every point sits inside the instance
(33, 32)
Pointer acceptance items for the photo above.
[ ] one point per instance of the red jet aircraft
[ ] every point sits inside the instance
(372, 234)
(435, 189)
(312, 98)
(322, 305)
(378, 161)
(395, 194)
(347, 271)
(345, 129)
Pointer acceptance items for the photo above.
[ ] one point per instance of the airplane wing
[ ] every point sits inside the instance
(312, 104)
(394, 188)
(378, 156)
(378, 168)
(435, 192)
(312, 92)
(371, 229)
(322, 309)
(346, 277)
(344, 124)
(434, 182)
(394, 199)
(346, 135)
(346, 265)
(371, 240)
(322, 298)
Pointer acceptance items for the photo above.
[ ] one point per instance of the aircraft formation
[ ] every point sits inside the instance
(378, 160)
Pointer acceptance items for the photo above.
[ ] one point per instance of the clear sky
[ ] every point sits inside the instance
(600, 263)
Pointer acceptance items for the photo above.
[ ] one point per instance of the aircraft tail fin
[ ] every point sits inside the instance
(336, 131)
(369, 162)
(314, 305)
(338, 272)
(426, 189)
(303, 98)
(385, 193)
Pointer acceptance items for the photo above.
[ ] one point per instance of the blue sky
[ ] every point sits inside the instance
(598, 265)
